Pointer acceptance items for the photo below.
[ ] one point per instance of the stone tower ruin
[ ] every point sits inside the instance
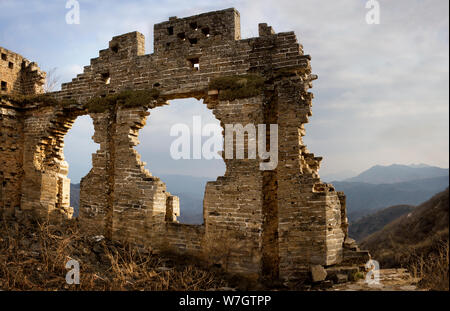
(261, 224)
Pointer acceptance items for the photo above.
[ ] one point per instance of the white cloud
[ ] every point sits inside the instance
(67, 73)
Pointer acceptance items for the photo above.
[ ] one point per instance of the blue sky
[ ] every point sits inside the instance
(382, 95)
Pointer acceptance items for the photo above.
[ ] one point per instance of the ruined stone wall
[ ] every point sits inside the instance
(33, 169)
(309, 213)
(263, 224)
(18, 75)
(233, 204)
(45, 185)
(11, 150)
(94, 187)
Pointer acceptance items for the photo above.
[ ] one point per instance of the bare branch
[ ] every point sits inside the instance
(51, 81)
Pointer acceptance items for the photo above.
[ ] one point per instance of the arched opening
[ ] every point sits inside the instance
(185, 165)
(78, 150)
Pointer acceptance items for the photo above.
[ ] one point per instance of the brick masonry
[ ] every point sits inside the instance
(18, 75)
(262, 224)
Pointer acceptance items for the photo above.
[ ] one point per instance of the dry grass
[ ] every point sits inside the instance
(126, 99)
(33, 257)
(42, 99)
(426, 260)
(234, 87)
(432, 269)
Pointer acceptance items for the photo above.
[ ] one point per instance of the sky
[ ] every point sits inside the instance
(382, 96)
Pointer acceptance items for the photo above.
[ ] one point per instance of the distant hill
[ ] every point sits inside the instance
(396, 173)
(190, 190)
(365, 198)
(75, 198)
(371, 223)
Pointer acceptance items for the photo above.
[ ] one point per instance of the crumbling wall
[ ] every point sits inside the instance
(139, 202)
(233, 203)
(18, 75)
(11, 150)
(309, 212)
(94, 187)
(263, 224)
(45, 186)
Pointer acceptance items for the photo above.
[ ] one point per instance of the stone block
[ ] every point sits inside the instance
(318, 273)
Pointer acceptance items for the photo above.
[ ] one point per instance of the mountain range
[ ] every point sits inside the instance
(366, 198)
(397, 173)
(374, 189)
